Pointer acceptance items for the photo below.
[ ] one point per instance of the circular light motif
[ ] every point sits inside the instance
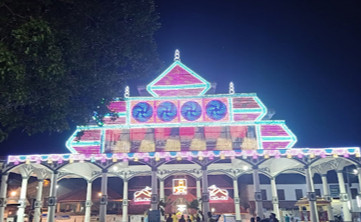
(142, 112)
(216, 109)
(166, 111)
(191, 111)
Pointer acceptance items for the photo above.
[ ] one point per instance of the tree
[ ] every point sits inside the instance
(60, 60)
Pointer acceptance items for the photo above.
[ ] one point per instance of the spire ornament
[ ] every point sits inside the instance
(177, 55)
(126, 92)
(231, 88)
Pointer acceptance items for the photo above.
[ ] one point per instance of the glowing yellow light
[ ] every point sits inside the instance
(114, 159)
(179, 158)
(99, 194)
(157, 158)
(357, 154)
(222, 157)
(179, 186)
(13, 193)
(289, 156)
(200, 158)
(335, 155)
(135, 159)
(266, 156)
(312, 155)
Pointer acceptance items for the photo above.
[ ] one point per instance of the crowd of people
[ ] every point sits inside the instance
(198, 217)
(272, 218)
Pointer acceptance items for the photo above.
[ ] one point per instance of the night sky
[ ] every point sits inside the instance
(302, 58)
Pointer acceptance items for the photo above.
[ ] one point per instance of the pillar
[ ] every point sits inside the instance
(343, 197)
(359, 179)
(78, 207)
(104, 198)
(52, 197)
(125, 201)
(58, 207)
(275, 203)
(161, 190)
(257, 193)
(88, 202)
(236, 200)
(311, 195)
(22, 200)
(154, 199)
(205, 195)
(3, 192)
(199, 193)
(326, 195)
(38, 201)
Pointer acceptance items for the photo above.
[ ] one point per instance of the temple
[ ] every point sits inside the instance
(183, 149)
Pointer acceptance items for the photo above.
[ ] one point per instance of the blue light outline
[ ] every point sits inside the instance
(236, 95)
(259, 136)
(263, 107)
(102, 140)
(293, 136)
(70, 140)
(181, 124)
(191, 86)
(87, 143)
(247, 110)
(231, 110)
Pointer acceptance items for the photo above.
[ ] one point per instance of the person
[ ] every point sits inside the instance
(169, 218)
(182, 219)
(200, 215)
(258, 219)
(272, 218)
(174, 217)
(198, 219)
(287, 218)
(252, 219)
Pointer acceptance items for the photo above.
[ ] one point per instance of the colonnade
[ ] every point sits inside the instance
(201, 193)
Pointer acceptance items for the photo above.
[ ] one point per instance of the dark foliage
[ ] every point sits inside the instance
(60, 60)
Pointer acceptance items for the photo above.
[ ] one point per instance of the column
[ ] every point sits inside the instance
(205, 195)
(311, 195)
(125, 200)
(257, 193)
(104, 198)
(22, 200)
(199, 193)
(236, 200)
(161, 190)
(52, 197)
(359, 179)
(88, 202)
(326, 195)
(343, 197)
(275, 202)
(154, 200)
(38, 201)
(3, 192)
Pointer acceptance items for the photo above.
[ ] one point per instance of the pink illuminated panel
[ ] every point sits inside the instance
(178, 76)
(273, 130)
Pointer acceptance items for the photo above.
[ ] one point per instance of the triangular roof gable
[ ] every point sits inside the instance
(178, 80)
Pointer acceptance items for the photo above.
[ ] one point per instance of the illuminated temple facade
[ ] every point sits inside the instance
(182, 145)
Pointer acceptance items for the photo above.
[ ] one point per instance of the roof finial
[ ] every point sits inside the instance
(126, 92)
(231, 88)
(176, 55)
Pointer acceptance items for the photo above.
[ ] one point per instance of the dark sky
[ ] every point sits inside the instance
(302, 58)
